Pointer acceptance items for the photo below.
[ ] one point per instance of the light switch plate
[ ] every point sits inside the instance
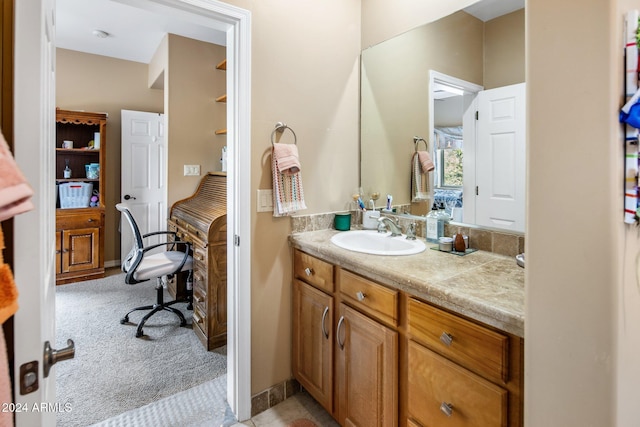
(191, 170)
(265, 200)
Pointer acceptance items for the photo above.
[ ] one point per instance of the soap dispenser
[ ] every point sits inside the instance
(432, 224)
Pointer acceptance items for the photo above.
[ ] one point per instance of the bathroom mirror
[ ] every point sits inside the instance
(397, 93)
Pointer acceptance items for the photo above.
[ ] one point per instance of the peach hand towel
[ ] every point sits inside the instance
(286, 156)
(425, 161)
(8, 291)
(15, 192)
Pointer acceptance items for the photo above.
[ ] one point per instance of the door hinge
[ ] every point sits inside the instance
(476, 190)
(236, 240)
(477, 115)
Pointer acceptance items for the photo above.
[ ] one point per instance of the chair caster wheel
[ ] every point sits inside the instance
(139, 334)
(124, 320)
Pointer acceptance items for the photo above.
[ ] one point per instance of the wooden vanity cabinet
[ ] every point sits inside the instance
(461, 373)
(348, 362)
(377, 356)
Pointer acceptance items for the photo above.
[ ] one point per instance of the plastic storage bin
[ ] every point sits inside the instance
(75, 194)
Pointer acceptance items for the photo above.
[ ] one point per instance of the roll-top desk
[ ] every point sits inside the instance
(202, 221)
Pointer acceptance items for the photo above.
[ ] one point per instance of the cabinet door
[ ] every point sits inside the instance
(366, 371)
(80, 249)
(313, 342)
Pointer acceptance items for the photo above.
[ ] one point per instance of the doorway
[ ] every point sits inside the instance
(29, 343)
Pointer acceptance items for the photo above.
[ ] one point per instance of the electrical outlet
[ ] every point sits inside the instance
(265, 200)
(191, 170)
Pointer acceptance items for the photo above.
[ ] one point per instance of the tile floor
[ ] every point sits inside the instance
(298, 406)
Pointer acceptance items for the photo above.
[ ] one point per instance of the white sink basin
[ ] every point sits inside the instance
(372, 242)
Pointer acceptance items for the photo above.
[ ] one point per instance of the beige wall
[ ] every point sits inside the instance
(573, 75)
(97, 83)
(382, 19)
(305, 67)
(504, 50)
(192, 84)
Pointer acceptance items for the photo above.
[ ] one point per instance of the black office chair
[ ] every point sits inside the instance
(141, 266)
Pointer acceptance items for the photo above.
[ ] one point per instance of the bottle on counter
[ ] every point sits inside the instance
(432, 224)
(443, 218)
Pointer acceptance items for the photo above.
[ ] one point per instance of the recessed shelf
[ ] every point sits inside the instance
(222, 98)
(76, 180)
(222, 65)
(221, 132)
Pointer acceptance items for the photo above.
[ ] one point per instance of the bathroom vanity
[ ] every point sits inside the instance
(431, 339)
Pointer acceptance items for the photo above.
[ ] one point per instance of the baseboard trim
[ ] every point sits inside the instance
(273, 395)
(113, 263)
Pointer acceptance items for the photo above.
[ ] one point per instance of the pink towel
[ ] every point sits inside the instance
(425, 161)
(286, 156)
(288, 195)
(15, 192)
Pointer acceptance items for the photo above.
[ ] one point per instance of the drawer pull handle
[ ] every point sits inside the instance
(197, 318)
(340, 322)
(361, 295)
(324, 317)
(199, 256)
(446, 339)
(308, 271)
(197, 297)
(446, 408)
(90, 220)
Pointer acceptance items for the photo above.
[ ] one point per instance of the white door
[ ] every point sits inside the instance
(34, 267)
(143, 182)
(500, 158)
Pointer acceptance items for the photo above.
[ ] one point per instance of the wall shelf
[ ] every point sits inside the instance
(222, 65)
(222, 98)
(221, 132)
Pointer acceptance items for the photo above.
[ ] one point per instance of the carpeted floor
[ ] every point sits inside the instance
(113, 371)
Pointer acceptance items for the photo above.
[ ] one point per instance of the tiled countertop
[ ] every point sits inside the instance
(481, 285)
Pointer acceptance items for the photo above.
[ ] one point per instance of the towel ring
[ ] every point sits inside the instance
(416, 140)
(280, 128)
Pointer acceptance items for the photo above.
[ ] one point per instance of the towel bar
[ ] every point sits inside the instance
(416, 140)
(280, 128)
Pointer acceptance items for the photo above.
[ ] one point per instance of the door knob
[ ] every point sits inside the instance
(52, 356)
(127, 197)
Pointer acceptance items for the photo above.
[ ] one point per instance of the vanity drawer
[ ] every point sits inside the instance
(441, 393)
(313, 271)
(469, 344)
(369, 296)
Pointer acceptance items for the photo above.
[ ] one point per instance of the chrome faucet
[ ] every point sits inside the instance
(392, 226)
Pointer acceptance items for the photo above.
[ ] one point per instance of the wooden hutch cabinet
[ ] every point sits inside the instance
(80, 178)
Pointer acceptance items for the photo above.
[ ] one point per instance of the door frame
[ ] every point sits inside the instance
(29, 89)
(469, 136)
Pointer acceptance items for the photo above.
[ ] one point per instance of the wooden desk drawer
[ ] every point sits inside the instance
(441, 393)
(199, 318)
(313, 271)
(369, 296)
(469, 344)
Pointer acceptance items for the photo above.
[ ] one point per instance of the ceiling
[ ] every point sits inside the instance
(134, 34)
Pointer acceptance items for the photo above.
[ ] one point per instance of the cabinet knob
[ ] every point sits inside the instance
(361, 295)
(308, 271)
(90, 220)
(446, 339)
(446, 408)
